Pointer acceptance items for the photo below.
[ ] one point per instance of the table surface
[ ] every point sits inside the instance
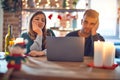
(40, 68)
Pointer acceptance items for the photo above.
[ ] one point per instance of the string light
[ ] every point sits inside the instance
(46, 3)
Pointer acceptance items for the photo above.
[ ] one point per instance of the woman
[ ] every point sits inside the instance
(36, 36)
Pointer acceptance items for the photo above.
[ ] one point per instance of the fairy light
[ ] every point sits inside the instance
(38, 3)
(48, 2)
(57, 5)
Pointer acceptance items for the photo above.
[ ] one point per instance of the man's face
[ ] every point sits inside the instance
(88, 23)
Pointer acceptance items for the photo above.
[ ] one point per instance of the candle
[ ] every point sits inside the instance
(98, 53)
(19, 40)
(109, 54)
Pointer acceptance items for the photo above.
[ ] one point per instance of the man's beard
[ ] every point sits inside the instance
(86, 31)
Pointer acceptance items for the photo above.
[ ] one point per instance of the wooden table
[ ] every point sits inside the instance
(38, 68)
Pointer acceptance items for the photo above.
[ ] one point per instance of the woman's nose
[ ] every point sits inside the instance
(40, 21)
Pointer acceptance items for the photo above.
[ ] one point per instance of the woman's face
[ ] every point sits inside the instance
(39, 20)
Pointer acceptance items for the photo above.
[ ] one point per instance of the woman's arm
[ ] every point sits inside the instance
(35, 53)
(36, 47)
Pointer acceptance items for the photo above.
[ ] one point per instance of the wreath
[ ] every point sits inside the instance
(11, 5)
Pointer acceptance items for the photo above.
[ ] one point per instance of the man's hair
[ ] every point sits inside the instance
(91, 13)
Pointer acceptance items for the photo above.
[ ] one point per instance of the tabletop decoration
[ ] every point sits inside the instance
(16, 55)
(98, 53)
(14, 60)
(109, 54)
(102, 67)
(104, 54)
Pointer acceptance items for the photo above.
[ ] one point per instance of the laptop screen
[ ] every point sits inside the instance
(65, 48)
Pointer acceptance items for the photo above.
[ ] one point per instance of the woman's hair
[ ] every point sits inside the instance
(33, 34)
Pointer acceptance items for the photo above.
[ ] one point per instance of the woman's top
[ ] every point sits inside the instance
(37, 45)
(29, 41)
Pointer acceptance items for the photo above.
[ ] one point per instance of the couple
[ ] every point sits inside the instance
(37, 33)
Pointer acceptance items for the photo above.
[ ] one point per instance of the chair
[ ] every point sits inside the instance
(117, 49)
(50, 32)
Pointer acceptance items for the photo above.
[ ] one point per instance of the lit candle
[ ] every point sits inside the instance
(109, 54)
(98, 53)
(19, 40)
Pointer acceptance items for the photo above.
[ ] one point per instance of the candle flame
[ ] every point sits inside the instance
(98, 40)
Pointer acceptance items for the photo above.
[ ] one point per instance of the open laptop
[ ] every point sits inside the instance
(65, 48)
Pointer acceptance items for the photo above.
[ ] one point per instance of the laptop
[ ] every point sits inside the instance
(65, 48)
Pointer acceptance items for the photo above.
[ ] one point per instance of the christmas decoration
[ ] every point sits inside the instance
(11, 5)
(59, 17)
(50, 16)
(16, 56)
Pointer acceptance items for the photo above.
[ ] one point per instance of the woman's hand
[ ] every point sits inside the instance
(34, 53)
(36, 27)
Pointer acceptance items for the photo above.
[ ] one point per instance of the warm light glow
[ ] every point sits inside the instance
(46, 3)
(19, 40)
(39, 0)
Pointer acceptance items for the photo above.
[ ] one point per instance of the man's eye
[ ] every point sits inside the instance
(85, 22)
(93, 24)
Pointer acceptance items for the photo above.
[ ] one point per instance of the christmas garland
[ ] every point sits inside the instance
(11, 5)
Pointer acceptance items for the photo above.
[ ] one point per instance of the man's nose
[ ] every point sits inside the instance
(87, 26)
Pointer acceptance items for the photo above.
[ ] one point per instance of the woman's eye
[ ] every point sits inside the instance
(37, 19)
(43, 20)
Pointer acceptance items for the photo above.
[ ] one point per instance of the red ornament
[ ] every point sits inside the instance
(50, 16)
(73, 17)
(59, 17)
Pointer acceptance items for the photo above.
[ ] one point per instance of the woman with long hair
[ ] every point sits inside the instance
(36, 35)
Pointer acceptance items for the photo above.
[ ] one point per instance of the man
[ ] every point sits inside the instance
(90, 23)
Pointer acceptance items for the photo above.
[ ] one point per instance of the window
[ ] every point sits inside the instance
(108, 17)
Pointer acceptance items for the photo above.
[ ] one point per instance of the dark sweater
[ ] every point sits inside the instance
(29, 41)
(89, 42)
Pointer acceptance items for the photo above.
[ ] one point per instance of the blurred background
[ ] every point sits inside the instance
(63, 16)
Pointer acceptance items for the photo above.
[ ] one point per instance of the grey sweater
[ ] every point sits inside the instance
(37, 45)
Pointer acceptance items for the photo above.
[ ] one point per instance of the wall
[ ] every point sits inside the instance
(1, 26)
(13, 18)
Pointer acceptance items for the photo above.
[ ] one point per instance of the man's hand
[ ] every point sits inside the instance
(94, 29)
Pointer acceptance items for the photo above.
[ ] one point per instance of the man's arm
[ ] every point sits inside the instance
(98, 37)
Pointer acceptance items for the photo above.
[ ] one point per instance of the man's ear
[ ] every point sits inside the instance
(81, 21)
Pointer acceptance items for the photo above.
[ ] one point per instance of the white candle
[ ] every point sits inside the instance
(19, 40)
(109, 54)
(98, 53)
